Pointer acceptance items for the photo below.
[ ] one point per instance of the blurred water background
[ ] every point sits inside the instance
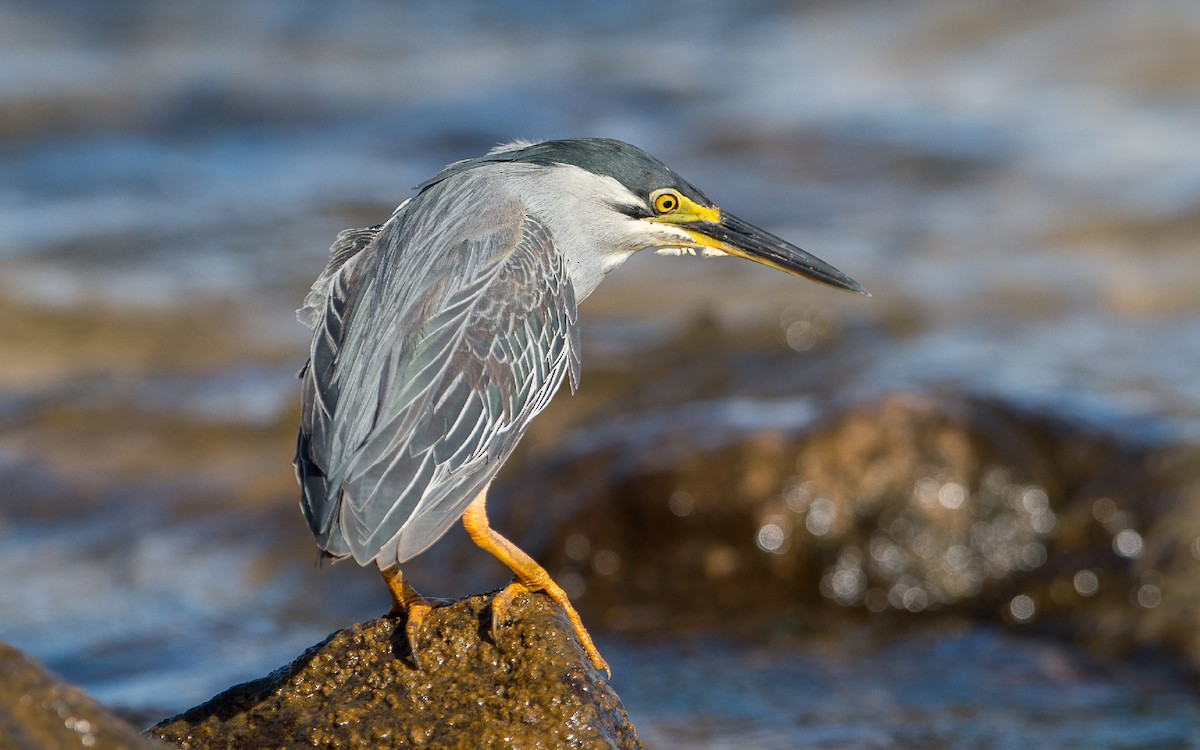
(1017, 183)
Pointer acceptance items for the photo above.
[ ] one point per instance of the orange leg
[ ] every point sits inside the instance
(530, 577)
(406, 600)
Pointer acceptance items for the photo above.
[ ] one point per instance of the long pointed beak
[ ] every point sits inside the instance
(733, 236)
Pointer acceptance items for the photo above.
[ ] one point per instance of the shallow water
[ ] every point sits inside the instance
(1011, 182)
(968, 689)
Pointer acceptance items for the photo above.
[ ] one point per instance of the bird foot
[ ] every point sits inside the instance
(414, 615)
(503, 599)
(407, 602)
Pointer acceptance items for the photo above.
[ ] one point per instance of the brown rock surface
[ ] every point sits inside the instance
(359, 688)
(40, 712)
(885, 512)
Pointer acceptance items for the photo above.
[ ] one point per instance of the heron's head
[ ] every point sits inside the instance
(603, 188)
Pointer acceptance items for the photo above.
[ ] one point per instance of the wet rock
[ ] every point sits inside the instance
(359, 688)
(882, 513)
(40, 712)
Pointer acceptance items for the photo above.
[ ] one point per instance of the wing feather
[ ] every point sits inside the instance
(443, 333)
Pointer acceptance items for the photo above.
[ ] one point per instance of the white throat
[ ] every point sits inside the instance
(576, 206)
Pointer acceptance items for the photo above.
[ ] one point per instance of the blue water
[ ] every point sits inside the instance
(956, 689)
(1016, 184)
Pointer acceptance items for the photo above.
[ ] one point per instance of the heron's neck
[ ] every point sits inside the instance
(576, 207)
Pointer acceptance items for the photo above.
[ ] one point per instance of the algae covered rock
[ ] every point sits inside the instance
(360, 688)
(40, 712)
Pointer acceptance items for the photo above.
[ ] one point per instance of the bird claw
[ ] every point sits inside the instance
(504, 598)
(414, 617)
(500, 604)
(407, 602)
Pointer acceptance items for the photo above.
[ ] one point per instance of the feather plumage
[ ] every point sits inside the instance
(439, 335)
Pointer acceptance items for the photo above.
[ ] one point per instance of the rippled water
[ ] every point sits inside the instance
(1014, 183)
(950, 690)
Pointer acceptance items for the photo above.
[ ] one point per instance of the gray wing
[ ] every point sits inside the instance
(442, 336)
(348, 244)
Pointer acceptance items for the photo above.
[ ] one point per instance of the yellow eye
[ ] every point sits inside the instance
(666, 202)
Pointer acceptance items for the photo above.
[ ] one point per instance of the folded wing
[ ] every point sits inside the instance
(442, 335)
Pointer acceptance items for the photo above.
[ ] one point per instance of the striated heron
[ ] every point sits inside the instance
(440, 334)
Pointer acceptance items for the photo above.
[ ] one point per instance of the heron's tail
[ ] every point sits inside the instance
(319, 504)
